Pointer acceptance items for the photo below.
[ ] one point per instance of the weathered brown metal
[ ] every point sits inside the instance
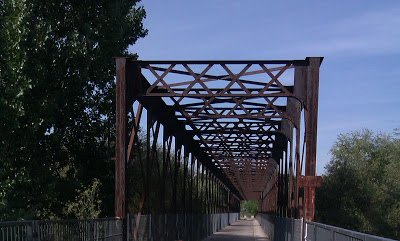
(202, 194)
(310, 181)
(134, 132)
(311, 132)
(121, 116)
(235, 121)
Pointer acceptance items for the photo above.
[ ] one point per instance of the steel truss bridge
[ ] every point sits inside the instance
(250, 126)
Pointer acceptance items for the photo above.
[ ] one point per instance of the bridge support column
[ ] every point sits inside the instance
(311, 119)
(120, 159)
(121, 143)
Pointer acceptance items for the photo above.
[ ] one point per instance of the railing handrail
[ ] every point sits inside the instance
(22, 222)
(349, 232)
(19, 223)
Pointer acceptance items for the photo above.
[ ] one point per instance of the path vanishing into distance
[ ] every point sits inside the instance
(242, 230)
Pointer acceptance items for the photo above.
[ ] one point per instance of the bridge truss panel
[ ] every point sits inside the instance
(241, 121)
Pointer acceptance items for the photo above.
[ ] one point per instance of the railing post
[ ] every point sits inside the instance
(150, 233)
(127, 226)
(91, 229)
(30, 231)
(315, 231)
(35, 231)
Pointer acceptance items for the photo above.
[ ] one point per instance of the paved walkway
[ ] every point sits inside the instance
(242, 230)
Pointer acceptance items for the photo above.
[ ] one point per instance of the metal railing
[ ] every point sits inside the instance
(289, 229)
(281, 229)
(189, 227)
(318, 231)
(105, 229)
(171, 227)
(167, 227)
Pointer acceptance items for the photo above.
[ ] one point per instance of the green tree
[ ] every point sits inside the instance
(87, 204)
(249, 208)
(361, 189)
(57, 100)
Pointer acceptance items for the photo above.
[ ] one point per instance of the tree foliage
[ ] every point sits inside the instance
(87, 204)
(57, 100)
(248, 208)
(361, 189)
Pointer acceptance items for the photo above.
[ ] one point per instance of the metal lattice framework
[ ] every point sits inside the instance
(241, 119)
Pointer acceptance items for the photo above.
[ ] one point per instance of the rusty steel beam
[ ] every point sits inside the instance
(311, 132)
(230, 95)
(134, 132)
(310, 181)
(121, 120)
(287, 62)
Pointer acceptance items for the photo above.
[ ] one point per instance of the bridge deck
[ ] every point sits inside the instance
(242, 230)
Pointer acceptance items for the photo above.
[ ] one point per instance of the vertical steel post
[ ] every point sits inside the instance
(217, 196)
(164, 172)
(276, 191)
(280, 188)
(213, 194)
(197, 182)
(192, 160)
(287, 203)
(175, 183)
(311, 131)
(300, 77)
(229, 201)
(202, 198)
(220, 205)
(286, 190)
(185, 171)
(291, 178)
(191, 184)
(120, 145)
(149, 170)
(208, 192)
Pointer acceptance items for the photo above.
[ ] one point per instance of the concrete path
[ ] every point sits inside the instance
(242, 230)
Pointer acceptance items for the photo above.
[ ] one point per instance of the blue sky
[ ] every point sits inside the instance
(360, 40)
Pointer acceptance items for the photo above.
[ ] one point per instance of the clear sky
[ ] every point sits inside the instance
(360, 40)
